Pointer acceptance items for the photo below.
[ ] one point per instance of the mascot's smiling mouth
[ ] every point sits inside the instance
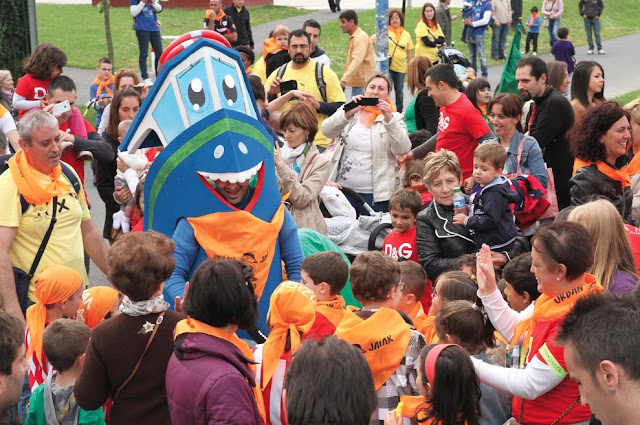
(209, 180)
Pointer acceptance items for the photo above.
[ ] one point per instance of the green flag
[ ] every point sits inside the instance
(508, 83)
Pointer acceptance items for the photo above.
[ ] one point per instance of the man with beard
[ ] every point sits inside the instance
(310, 78)
(548, 121)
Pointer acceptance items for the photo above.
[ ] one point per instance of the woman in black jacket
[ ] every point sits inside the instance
(421, 112)
(439, 241)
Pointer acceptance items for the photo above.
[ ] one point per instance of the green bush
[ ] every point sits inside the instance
(14, 36)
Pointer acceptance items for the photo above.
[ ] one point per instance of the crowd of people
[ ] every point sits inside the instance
(505, 293)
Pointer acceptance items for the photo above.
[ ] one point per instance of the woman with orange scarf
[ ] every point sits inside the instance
(600, 142)
(372, 137)
(543, 392)
(429, 35)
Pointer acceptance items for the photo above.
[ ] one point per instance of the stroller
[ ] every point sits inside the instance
(456, 58)
(354, 233)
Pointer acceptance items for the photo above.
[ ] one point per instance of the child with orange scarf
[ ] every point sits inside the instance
(98, 303)
(326, 274)
(58, 293)
(390, 346)
(275, 49)
(101, 91)
(291, 316)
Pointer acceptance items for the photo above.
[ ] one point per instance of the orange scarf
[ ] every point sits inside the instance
(333, 310)
(220, 16)
(547, 309)
(104, 85)
(430, 24)
(383, 339)
(190, 325)
(54, 284)
(397, 31)
(621, 175)
(532, 18)
(634, 166)
(96, 303)
(409, 405)
(374, 112)
(420, 319)
(249, 70)
(292, 309)
(270, 46)
(28, 184)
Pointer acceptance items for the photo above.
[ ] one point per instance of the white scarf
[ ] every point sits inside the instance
(293, 156)
(142, 308)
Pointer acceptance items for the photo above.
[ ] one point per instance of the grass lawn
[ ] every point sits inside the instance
(83, 37)
(628, 97)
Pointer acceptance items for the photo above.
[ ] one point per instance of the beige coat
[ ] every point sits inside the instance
(305, 189)
(360, 60)
(388, 139)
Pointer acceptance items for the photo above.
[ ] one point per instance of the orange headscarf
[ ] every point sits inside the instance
(292, 309)
(547, 308)
(374, 111)
(333, 310)
(620, 175)
(54, 284)
(104, 85)
(28, 184)
(96, 303)
(190, 325)
(383, 339)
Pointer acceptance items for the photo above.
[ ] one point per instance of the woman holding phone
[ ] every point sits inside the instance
(373, 134)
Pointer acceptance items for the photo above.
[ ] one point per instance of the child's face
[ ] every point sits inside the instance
(484, 96)
(321, 291)
(402, 219)
(55, 72)
(484, 172)
(415, 180)
(516, 301)
(469, 72)
(467, 269)
(70, 308)
(283, 41)
(105, 70)
(245, 60)
(436, 300)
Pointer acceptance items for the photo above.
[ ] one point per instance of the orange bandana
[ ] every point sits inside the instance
(54, 284)
(104, 85)
(547, 309)
(190, 325)
(432, 24)
(634, 166)
(291, 311)
(220, 16)
(532, 18)
(333, 310)
(28, 185)
(270, 46)
(396, 31)
(249, 70)
(374, 112)
(96, 303)
(621, 175)
(383, 339)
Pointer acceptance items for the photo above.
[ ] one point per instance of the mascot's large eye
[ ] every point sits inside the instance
(196, 93)
(230, 90)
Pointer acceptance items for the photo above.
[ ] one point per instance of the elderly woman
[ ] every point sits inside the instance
(439, 241)
(599, 143)
(543, 391)
(128, 354)
(301, 169)
(373, 136)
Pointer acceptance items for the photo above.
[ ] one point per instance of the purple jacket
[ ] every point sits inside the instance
(208, 382)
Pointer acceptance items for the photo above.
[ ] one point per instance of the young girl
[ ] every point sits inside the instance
(452, 286)
(450, 388)
(42, 66)
(463, 323)
(413, 180)
(479, 93)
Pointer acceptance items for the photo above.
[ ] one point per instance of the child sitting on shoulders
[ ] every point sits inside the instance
(415, 286)
(326, 274)
(490, 217)
(58, 293)
(64, 343)
(275, 50)
(404, 207)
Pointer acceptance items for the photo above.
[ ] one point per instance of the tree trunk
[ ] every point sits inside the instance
(107, 29)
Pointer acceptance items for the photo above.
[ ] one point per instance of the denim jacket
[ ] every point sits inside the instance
(531, 161)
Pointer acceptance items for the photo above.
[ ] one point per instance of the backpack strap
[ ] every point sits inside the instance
(322, 87)
(282, 70)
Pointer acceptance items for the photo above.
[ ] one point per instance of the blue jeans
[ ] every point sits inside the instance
(593, 24)
(554, 24)
(475, 50)
(397, 78)
(144, 37)
(498, 40)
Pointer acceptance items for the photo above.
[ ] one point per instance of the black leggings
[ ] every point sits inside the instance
(534, 37)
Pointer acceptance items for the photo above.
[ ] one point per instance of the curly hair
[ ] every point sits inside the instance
(585, 138)
(44, 60)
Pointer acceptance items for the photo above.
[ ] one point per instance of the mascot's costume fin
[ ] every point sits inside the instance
(202, 111)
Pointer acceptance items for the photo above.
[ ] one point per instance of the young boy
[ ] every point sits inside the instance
(58, 293)
(248, 57)
(326, 274)
(275, 50)
(563, 49)
(101, 91)
(64, 342)
(415, 287)
(490, 217)
(533, 23)
(404, 206)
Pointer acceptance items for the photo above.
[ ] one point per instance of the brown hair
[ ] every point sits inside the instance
(125, 72)
(466, 323)
(329, 267)
(43, 60)
(466, 260)
(423, 16)
(301, 115)
(378, 74)
(456, 285)
(139, 263)
(511, 107)
(63, 341)
(416, 71)
(11, 340)
(415, 167)
(280, 30)
(104, 60)
(437, 162)
(556, 70)
(373, 276)
(114, 116)
(396, 12)
(493, 153)
(414, 278)
(406, 199)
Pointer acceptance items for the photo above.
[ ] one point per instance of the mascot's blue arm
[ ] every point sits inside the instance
(290, 247)
(187, 249)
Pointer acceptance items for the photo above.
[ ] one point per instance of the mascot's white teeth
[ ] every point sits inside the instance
(231, 177)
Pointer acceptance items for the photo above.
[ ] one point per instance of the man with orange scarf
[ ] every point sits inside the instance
(389, 345)
(35, 174)
(218, 21)
(101, 91)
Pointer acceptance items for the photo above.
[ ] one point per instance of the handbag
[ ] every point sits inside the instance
(545, 22)
(336, 149)
(551, 197)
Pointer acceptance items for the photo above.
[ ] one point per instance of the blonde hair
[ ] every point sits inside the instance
(633, 108)
(280, 30)
(437, 162)
(379, 74)
(612, 249)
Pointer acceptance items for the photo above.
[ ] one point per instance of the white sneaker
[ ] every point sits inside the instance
(535, 53)
(148, 82)
(601, 52)
(589, 52)
(523, 52)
